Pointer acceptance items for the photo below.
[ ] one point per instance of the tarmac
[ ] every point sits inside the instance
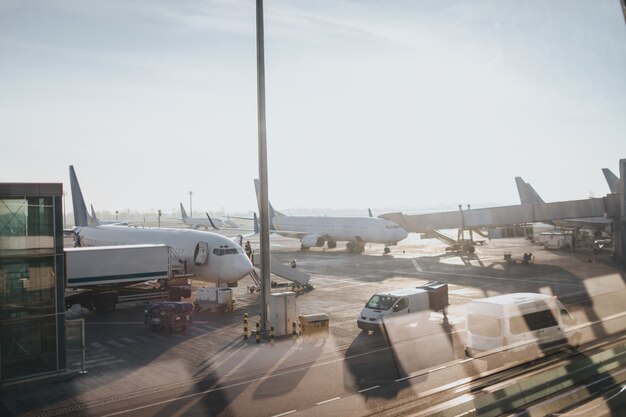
(126, 361)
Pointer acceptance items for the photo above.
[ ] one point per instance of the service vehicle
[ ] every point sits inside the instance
(100, 277)
(168, 315)
(417, 301)
(518, 322)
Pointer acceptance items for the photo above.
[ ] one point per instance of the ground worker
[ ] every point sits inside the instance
(248, 249)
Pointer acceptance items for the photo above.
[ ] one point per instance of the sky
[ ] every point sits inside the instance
(393, 105)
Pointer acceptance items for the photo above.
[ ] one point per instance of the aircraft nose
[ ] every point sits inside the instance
(402, 234)
(238, 269)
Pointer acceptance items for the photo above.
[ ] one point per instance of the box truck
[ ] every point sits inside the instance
(100, 277)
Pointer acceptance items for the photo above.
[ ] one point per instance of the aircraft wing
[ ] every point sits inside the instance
(594, 223)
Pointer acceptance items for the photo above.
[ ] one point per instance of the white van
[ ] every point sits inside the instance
(520, 321)
(393, 303)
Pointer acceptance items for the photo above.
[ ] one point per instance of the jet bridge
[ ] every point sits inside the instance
(612, 206)
(499, 216)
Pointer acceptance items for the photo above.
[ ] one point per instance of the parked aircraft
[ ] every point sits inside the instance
(314, 231)
(94, 220)
(528, 195)
(196, 222)
(211, 257)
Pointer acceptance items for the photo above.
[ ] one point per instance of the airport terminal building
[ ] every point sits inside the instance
(32, 313)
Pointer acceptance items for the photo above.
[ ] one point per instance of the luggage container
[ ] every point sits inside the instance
(314, 325)
(214, 298)
(169, 315)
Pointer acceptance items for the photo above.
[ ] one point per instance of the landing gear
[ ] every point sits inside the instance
(331, 244)
(355, 247)
(302, 247)
(387, 250)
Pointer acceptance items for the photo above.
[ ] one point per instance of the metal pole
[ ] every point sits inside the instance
(82, 346)
(64, 222)
(263, 197)
(470, 230)
(190, 205)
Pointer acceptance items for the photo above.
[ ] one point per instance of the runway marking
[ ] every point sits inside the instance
(369, 389)
(143, 339)
(419, 268)
(285, 413)
(515, 279)
(206, 324)
(328, 401)
(237, 384)
(101, 362)
(115, 344)
(98, 346)
(128, 340)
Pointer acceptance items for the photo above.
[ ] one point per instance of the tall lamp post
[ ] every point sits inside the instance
(64, 222)
(159, 217)
(116, 214)
(190, 205)
(262, 145)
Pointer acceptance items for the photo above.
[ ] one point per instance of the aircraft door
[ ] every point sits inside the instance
(201, 254)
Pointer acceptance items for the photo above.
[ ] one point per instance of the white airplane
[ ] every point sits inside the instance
(210, 257)
(314, 231)
(94, 220)
(196, 222)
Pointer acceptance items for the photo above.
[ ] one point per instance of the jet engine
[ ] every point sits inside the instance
(312, 240)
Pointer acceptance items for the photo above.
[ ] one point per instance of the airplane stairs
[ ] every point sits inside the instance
(299, 279)
(454, 244)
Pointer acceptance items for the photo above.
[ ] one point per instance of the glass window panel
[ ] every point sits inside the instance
(13, 217)
(27, 289)
(28, 347)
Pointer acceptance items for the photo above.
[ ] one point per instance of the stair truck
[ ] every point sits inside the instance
(100, 277)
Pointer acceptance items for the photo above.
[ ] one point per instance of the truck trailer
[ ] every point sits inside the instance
(98, 278)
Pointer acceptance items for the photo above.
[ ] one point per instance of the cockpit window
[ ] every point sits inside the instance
(226, 251)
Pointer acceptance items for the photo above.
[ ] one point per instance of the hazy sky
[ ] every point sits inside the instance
(382, 104)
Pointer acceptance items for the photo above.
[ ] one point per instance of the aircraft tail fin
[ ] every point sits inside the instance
(257, 229)
(78, 202)
(273, 213)
(210, 220)
(183, 213)
(93, 219)
(611, 179)
(527, 193)
(370, 212)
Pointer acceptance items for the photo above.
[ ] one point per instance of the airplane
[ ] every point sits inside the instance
(314, 231)
(528, 195)
(197, 222)
(94, 220)
(239, 237)
(211, 257)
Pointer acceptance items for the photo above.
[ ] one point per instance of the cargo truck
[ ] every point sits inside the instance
(417, 301)
(98, 278)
